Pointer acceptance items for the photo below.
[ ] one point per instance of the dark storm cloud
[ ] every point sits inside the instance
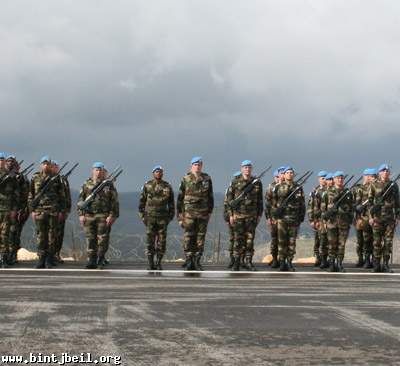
(308, 83)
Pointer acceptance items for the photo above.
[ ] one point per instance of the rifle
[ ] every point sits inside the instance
(235, 203)
(300, 182)
(45, 186)
(13, 172)
(379, 201)
(83, 205)
(332, 211)
(67, 174)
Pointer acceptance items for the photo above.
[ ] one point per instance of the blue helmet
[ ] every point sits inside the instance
(246, 163)
(157, 167)
(98, 165)
(383, 167)
(196, 159)
(338, 173)
(45, 159)
(329, 176)
(322, 173)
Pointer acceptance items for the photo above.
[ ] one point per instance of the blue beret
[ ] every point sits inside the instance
(383, 167)
(338, 173)
(287, 168)
(236, 174)
(196, 159)
(329, 176)
(157, 167)
(322, 173)
(11, 157)
(276, 173)
(369, 171)
(98, 165)
(2, 155)
(246, 162)
(281, 169)
(44, 159)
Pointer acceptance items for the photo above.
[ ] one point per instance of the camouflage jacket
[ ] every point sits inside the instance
(53, 198)
(67, 192)
(105, 202)
(314, 204)
(23, 189)
(269, 200)
(252, 203)
(195, 197)
(345, 211)
(360, 195)
(9, 193)
(390, 209)
(157, 200)
(295, 210)
(226, 207)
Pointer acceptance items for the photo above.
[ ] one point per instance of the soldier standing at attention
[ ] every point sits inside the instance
(314, 216)
(195, 204)
(48, 212)
(98, 218)
(383, 217)
(338, 220)
(245, 217)
(157, 210)
(290, 218)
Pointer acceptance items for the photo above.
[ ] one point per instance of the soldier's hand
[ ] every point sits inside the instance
(82, 219)
(110, 220)
(232, 220)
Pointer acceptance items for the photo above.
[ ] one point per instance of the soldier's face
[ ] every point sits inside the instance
(246, 170)
(3, 163)
(329, 182)
(277, 179)
(322, 181)
(281, 177)
(46, 167)
(9, 164)
(196, 167)
(55, 168)
(97, 173)
(338, 181)
(158, 174)
(289, 175)
(384, 175)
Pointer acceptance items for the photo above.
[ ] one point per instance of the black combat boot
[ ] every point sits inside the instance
(283, 266)
(58, 258)
(50, 261)
(197, 264)
(377, 265)
(360, 261)
(385, 266)
(243, 262)
(249, 263)
(317, 260)
(3, 261)
(231, 261)
(190, 263)
(101, 261)
(340, 265)
(92, 261)
(275, 262)
(158, 262)
(236, 264)
(332, 265)
(290, 265)
(41, 262)
(150, 262)
(324, 262)
(368, 262)
(12, 257)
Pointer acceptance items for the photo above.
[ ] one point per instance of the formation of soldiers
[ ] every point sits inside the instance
(373, 206)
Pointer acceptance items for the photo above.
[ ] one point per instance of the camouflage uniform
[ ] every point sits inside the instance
(195, 204)
(246, 217)
(320, 234)
(230, 228)
(363, 228)
(61, 226)
(9, 200)
(384, 221)
(23, 214)
(47, 210)
(289, 221)
(97, 231)
(157, 210)
(338, 225)
(274, 226)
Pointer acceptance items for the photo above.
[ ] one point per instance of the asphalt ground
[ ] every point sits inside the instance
(214, 317)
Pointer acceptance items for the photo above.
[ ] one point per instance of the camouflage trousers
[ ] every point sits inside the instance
(194, 236)
(383, 233)
(274, 239)
(320, 243)
(15, 233)
(5, 223)
(244, 232)
(287, 235)
(60, 236)
(231, 239)
(364, 237)
(337, 237)
(97, 234)
(156, 234)
(46, 232)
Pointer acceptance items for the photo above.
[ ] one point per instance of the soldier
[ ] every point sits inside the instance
(289, 220)
(363, 228)
(337, 220)
(314, 217)
(195, 204)
(99, 216)
(245, 217)
(329, 180)
(48, 212)
(279, 177)
(157, 210)
(383, 216)
(68, 205)
(230, 227)
(23, 211)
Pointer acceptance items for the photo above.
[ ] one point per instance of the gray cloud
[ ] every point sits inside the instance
(310, 83)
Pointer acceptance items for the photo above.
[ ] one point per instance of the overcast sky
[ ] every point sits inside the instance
(314, 84)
